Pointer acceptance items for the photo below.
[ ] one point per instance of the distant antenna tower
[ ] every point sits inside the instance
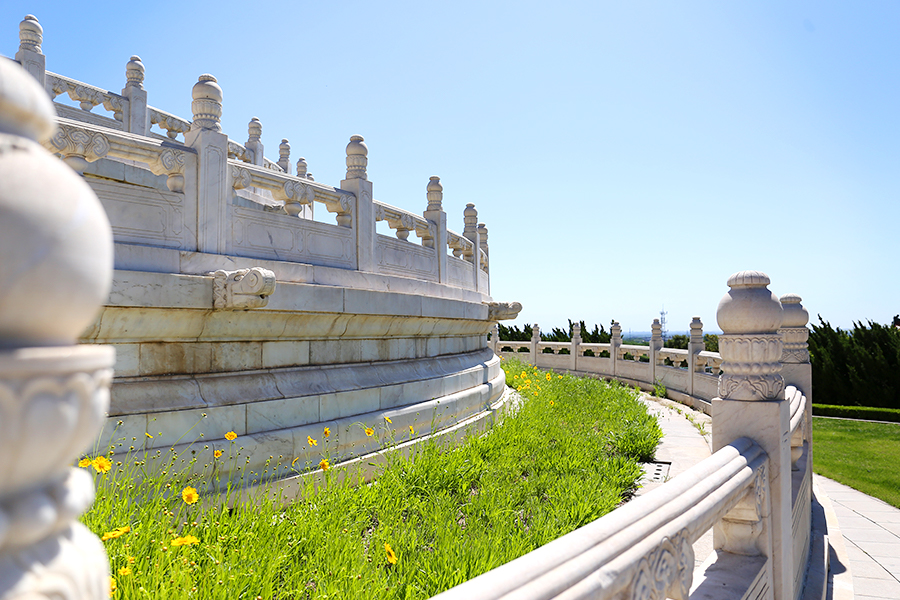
(662, 322)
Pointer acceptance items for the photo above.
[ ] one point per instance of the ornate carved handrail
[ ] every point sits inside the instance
(460, 246)
(403, 221)
(170, 123)
(294, 192)
(642, 549)
(88, 95)
(81, 143)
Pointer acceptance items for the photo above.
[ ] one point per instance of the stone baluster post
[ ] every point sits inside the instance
(30, 55)
(656, 344)
(435, 214)
(483, 236)
(211, 183)
(284, 156)
(56, 272)
(137, 117)
(751, 403)
(495, 338)
(535, 343)
(695, 347)
(364, 215)
(254, 142)
(615, 342)
(796, 368)
(470, 232)
(575, 350)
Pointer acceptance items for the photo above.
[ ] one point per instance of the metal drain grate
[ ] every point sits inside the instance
(656, 472)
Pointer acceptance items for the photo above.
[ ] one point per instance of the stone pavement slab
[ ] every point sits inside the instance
(872, 537)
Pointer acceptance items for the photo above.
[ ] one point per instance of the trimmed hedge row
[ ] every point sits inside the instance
(857, 412)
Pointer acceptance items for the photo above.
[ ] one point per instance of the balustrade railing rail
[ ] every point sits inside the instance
(246, 205)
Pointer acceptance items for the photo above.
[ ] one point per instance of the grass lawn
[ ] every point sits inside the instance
(860, 454)
(570, 454)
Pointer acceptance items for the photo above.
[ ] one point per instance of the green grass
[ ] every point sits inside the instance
(567, 456)
(859, 454)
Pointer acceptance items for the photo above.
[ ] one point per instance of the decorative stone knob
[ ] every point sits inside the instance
(750, 315)
(254, 130)
(357, 158)
(435, 194)
(696, 331)
(284, 155)
(794, 313)
(56, 241)
(207, 104)
(483, 235)
(31, 34)
(749, 307)
(302, 167)
(134, 72)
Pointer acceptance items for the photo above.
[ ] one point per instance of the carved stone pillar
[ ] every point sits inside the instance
(574, 351)
(656, 344)
(615, 342)
(358, 184)
(486, 261)
(751, 403)
(284, 156)
(436, 215)
(695, 347)
(30, 55)
(136, 118)
(56, 271)
(495, 338)
(254, 141)
(470, 232)
(213, 179)
(535, 341)
(796, 368)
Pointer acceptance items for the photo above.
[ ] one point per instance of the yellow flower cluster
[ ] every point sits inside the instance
(187, 540)
(101, 464)
(115, 533)
(231, 436)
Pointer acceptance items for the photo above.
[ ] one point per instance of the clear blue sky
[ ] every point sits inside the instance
(624, 156)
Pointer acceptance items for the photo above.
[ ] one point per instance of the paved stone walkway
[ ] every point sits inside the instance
(871, 530)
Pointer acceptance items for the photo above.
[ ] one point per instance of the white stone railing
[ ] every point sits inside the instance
(240, 197)
(644, 549)
(755, 491)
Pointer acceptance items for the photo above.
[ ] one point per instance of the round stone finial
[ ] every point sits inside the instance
(470, 217)
(302, 167)
(134, 72)
(207, 104)
(254, 129)
(434, 193)
(434, 184)
(357, 146)
(749, 307)
(795, 315)
(55, 239)
(31, 34)
(25, 109)
(284, 148)
(357, 151)
(483, 233)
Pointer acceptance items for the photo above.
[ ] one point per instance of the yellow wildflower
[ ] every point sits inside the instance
(101, 464)
(388, 419)
(551, 403)
(370, 432)
(230, 436)
(559, 376)
(112, 586)
(391, 557)
(326, 432)
(117, 532)
(311, 441)
(189, 495)
(217, 453)
(323, 464)
(293, 462)
(130, 559)
(84, 462)
(148, 435)
(125, 571)
(549, 376)
(411, 430)
(185, 541)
